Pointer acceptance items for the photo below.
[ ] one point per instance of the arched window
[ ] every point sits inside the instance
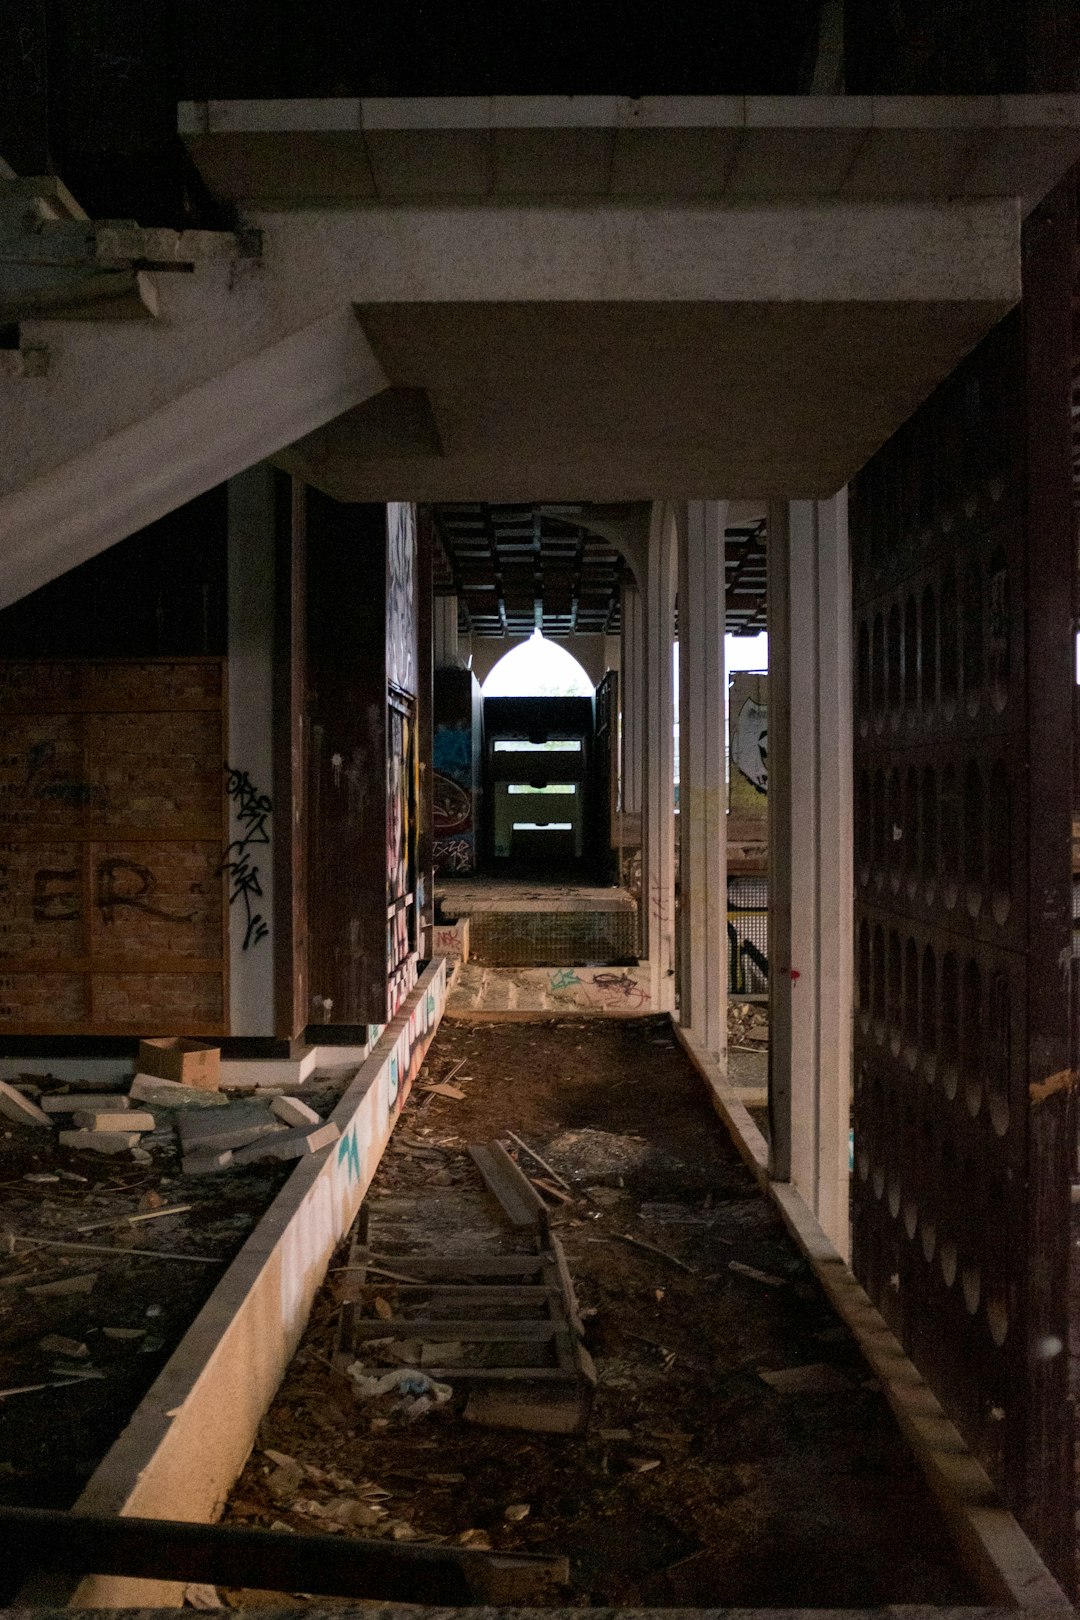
(538, 668)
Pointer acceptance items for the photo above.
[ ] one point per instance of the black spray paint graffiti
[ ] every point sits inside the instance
(252, 811)
(55, 896)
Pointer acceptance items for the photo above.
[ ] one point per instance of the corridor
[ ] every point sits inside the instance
(349, 362)
(738, 1451)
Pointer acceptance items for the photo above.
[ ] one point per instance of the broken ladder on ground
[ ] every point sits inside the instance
(500, 1317)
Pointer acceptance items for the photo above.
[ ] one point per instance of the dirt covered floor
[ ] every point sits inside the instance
(698, 1482)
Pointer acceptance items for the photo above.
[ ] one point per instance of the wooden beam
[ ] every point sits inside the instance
(226, 1555)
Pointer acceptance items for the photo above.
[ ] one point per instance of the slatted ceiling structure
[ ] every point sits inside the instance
(520, 568)
(529, 567)
(744, 578)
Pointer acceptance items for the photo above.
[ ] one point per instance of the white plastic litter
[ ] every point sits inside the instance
(419, 1393)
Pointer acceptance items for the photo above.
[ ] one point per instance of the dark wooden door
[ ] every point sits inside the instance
(963, 570)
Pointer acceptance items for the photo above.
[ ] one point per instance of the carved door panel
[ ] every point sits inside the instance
(962, 579)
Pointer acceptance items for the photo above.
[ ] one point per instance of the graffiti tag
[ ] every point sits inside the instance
(252, 811)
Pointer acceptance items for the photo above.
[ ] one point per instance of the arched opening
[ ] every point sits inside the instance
(538, 727)
(538, 667)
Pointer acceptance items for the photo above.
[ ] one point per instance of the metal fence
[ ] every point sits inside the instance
(748, 935)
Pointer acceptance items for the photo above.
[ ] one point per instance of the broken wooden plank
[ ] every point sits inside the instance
(652, 1248)
(754, 1275)
(147, 1215)
(815, 1378)
(566, 1285)
(535, 1157)
(107, 1248)
(509, 1186)
(61, 1286)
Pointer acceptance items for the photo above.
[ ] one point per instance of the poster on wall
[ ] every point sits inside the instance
(454, 771)
(749, 722)
(452, 799)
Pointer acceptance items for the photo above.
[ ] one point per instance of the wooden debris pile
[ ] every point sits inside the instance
(498, 1316)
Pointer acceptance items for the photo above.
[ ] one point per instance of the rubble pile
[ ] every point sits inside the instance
(748, 1026)
(214, 1132)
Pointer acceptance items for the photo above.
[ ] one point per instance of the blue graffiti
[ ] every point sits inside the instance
(452, 753)
(348, 1154)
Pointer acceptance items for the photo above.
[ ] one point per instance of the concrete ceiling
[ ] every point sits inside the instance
(633, 402)
(737, 390)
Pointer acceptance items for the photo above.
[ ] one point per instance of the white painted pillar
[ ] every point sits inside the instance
(702, 785)
(444, 629)
(810, 853)
(251, 740)
(659, 758)
(632, 697)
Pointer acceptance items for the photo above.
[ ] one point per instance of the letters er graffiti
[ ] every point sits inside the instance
(252, 810)
(117, 884)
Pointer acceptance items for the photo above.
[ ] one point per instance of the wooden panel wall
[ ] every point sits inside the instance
(113, 918)
(963, 566)
(362, 760)
(425, 728)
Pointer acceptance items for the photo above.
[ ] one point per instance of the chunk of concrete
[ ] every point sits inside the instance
(57, 1344)
(817, 1378)
(64, 1286)
(100, 1141)
(289, 1144)
(92, 1101)
(206, 1163)
(16, 1107)
(232, 1127)
(148, 1088)
(294, 1112)
(112, 1119)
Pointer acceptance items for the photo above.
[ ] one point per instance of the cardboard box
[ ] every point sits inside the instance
(192, 1063)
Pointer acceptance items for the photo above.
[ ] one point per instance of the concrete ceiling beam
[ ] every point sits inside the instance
(736, 148)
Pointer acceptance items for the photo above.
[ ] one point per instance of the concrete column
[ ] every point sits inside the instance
(810, 854)
(702, 784)
(251, 741)
(658, 889)
(444, 625)
(632, 696)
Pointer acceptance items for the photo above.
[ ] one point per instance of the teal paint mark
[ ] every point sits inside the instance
(349, 1154)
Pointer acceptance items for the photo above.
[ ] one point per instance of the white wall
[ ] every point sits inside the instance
(250, 741)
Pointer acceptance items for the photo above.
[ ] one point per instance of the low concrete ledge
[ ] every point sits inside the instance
(532, 994)
(996, 1553)
(425, 1612)
(376, 1611)
(190, 1435)
(751, 1145)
